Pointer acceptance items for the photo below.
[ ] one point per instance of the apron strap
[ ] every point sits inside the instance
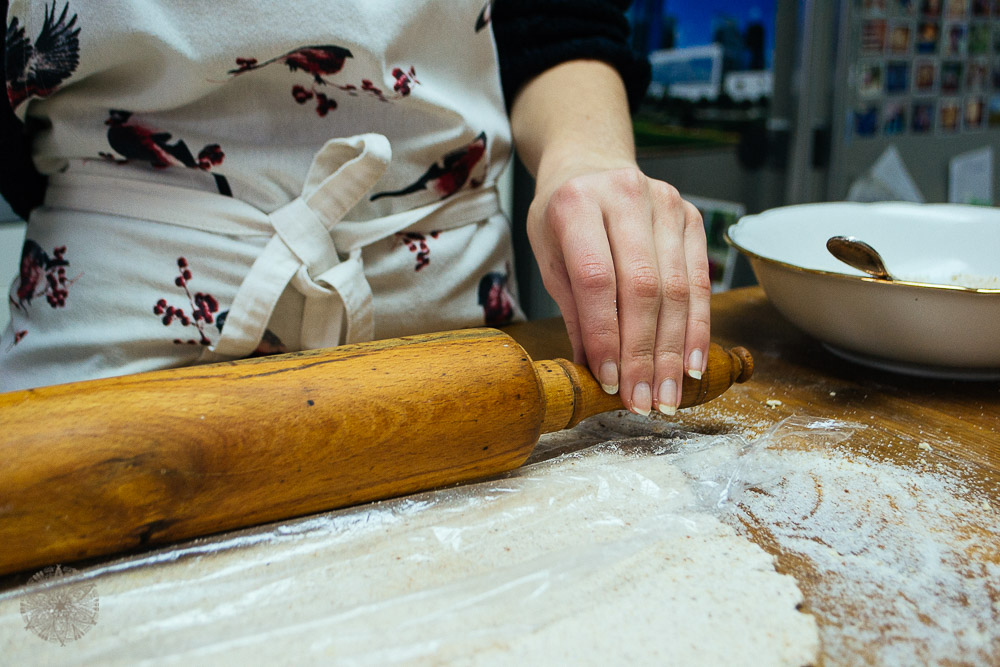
(311, 247)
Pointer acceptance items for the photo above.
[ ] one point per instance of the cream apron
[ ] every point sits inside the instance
(344, 188)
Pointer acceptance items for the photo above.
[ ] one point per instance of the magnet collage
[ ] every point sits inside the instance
(925, 66)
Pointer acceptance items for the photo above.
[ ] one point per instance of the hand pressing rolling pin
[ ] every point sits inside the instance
(623, 255)
(103, 466)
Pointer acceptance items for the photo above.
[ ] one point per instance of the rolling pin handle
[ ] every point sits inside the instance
(571, 394)
(742, 364)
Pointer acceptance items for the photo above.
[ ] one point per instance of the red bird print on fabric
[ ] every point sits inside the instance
(496, 299)
(135, 141)
(322, 62)
(41, 274)
(447, 177)
(319, 61)
(36, 70)
(485, 16)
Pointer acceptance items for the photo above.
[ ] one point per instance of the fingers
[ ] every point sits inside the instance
(556, 282)
(637, 272)
(575, 220)
(698, 332)
(625, 259)
(669, 216)
(682, 326)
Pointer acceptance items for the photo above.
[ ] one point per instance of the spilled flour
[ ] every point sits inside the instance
(904, 563)
(627, 542)
(599, 556)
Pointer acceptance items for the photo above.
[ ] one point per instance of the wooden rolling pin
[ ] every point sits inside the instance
(99, 467)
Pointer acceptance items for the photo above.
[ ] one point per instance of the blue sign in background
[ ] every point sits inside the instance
(695, 21)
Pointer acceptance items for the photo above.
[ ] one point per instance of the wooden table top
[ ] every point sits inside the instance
(903, 418)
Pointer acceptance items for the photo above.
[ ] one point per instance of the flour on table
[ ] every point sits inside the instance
(901, 572)
(597, 556)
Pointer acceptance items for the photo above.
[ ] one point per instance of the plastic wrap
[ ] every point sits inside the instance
(601, 555)
(721, 470)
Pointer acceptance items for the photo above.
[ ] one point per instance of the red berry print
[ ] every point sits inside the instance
(403, 80)
(301, 95)
(402, 86)
(417, 243)
(203, 308)
(210, 156)
(40, 275)
(324, 104)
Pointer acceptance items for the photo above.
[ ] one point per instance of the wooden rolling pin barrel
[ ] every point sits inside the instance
(99, 467)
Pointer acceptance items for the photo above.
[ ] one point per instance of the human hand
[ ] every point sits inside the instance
(624, 257)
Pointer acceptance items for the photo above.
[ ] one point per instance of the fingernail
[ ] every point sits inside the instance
(642, 399)
(694, 364)
(609, 377)
(668, 397)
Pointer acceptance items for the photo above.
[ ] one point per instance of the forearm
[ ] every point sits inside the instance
(572, 118)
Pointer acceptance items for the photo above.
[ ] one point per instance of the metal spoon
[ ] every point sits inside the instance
(858, 254)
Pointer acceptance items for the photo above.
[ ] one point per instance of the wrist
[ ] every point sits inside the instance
(557, 167)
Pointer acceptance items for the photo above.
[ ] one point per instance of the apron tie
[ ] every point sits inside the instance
(338, 304)
(311, 247)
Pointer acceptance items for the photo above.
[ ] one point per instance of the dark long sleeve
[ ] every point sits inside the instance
(535, 35)
(20, 184)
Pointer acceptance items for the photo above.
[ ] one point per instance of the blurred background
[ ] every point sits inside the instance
(756, 104)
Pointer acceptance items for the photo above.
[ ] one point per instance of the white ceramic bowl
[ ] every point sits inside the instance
(939, 318)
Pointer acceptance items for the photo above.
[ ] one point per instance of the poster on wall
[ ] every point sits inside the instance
(924, 67)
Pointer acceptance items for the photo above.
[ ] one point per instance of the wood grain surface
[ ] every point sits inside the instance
(962, 418)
